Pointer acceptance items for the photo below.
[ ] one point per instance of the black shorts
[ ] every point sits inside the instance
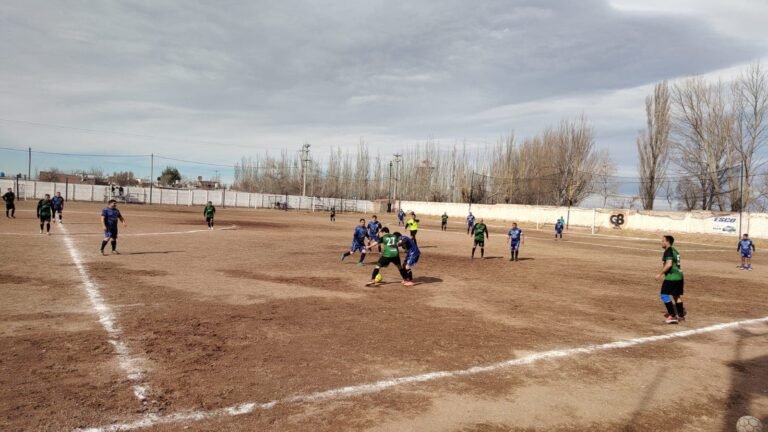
(480, 243)
(673, 288)
(209, 218)
(45, 218)
(10, 206)
(386, 261)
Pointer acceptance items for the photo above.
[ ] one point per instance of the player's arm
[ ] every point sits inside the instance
(667, 266)
(373, 244)
(522, 237)
(39, 206)
(122, 219)
(752, 244)
(104, 222)
(487, 234)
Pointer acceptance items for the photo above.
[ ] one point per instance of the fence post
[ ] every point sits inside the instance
(92, 191)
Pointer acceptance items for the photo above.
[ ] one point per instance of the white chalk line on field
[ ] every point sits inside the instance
(597, 244)
(128, 362)
(379, 386)
(231, 227)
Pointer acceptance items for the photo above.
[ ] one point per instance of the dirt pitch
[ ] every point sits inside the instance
(258, 326)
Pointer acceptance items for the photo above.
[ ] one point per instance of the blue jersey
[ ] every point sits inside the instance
(409, 246)
(401, 215)
(470, 220)
(745, 246)
(559, 226)
(373, 229)
(111, 216)
(515, 234)
(360, 234)
(58, 203)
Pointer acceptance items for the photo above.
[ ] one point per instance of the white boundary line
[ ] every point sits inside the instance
(128, 362)
(231, 227)
(379, 386)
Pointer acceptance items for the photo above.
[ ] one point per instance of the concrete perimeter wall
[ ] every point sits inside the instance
(187, 197)
(701, 222)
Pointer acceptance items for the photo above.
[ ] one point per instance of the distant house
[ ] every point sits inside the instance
(207, 184)
(58, 177)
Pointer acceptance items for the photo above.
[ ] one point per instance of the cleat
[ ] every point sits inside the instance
(360, 264)
(408, 283)
(681, 318)
(342, 257)
(48, 233)
(114, 252)
(671, 320)
(103, 253)
(369, 283)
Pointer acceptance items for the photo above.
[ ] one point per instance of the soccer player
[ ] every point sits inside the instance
(444, 222)
(746, 247)
(58, 207)
(358, 243)
(110, 215)
(209, 212)
(481, 233)
(333, 214)
(412, 254)
(374, 227)
(10, 205)
(400, 217)
(672, 288)
(413, 226)
(515, 237)
(559, 225)
(470, 222)
(389, 255)
(44, 213)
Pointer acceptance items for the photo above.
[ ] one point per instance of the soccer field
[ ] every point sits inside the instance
(258, 326)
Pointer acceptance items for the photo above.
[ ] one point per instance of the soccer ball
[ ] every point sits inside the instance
(377, 278)
(749, 424)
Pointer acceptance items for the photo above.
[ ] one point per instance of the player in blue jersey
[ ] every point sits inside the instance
(515, 238)
(400, 217)
(374, 228)
(58, 207)
(412, 254)
(358, 242)
(110, 215)
(559, 225)
(470, 222)
(746, 247)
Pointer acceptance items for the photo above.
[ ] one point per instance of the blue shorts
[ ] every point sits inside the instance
(357, 247)
(515, 245)
(746, 255)
(412, 260)
(375, 239)
(111, 232)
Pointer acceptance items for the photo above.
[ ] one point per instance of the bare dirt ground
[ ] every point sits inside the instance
(261, 310)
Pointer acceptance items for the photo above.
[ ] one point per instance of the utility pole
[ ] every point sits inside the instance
(397, 176)
(29, 165)
(151, 175)
(304, 162)
(741, 195)
(389, 195)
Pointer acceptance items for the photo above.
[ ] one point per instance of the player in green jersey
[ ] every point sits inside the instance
(209, 212)
(481, 233)
(672, 287)
(45, 213)
(389, 255)
(444, 222)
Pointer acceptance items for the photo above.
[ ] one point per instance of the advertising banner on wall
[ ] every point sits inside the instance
(725, 224)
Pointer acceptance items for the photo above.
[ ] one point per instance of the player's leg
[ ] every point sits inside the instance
(482, 250)
(517, 251)
(679, 308)
(104, 242)
(474, 246)
(114, 242)
(42, 225)
(413, 237)
(362, 256)
(749, 262)
(671, 314)
(48, 226)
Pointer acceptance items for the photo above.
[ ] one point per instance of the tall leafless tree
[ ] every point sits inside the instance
(653, 145)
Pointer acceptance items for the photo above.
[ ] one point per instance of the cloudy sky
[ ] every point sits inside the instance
(217, 80)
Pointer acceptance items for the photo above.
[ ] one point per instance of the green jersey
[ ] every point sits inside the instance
(209, 211)
(674, 273)
(481, 231)
(44, 208)
(390, 246)
(444, 218)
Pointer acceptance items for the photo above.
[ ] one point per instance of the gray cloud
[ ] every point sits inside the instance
(263, 75)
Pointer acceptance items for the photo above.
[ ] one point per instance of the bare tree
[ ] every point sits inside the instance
(653, 146)
(702, 128)
(603, 182)
(750, 131)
